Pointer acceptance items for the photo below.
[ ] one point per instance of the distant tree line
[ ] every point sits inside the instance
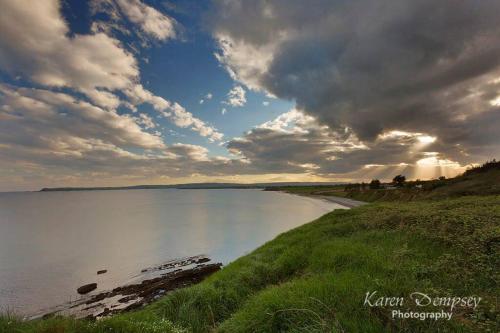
(375, 184)
(399, 181)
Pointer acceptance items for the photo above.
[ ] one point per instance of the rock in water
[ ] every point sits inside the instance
(87, 288)
(102, 271)
(202, 260)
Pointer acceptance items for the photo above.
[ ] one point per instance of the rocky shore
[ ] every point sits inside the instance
(166, 277)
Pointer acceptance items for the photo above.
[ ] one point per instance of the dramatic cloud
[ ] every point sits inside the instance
(296, 142)
(380, 88)
(374, 66)
(293, 142)
(236, 97)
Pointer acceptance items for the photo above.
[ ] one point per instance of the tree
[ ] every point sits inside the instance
(375, 184)
(399, 180)
(442, 178)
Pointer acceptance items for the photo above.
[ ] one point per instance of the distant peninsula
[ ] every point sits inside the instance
(189, 186)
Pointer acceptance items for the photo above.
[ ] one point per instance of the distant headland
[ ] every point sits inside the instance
(189, 186)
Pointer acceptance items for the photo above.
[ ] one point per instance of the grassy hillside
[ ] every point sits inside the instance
(482, 180)
(314, 278)
(474, 183)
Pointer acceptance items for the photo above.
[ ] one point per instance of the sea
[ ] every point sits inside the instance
(53, 242)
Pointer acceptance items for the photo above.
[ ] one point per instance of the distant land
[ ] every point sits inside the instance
(190, 186)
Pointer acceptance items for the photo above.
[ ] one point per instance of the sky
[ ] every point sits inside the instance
(128, 92)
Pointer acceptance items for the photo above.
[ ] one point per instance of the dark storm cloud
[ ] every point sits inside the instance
(373, 66)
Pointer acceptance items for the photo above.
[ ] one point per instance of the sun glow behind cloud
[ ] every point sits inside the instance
(426, 139)
(433, 167)
(396, 134)
(427, 164)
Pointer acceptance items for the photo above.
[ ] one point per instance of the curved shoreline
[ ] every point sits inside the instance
(350, 203)
(346, 202)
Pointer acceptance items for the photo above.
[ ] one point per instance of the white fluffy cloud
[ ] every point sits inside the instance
(103, 98)
(244, 61)
(69, 125)
(173, 111)
(32, 116)
(34, 43)
(187, 151)
(146, 121)
(54, 138)
(236, 97)
(151, 21)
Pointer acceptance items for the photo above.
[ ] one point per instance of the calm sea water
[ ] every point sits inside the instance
(53, 242)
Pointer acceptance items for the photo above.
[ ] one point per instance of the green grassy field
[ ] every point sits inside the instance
(314, 278)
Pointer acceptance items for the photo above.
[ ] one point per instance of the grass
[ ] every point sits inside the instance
(314, 278)
(136, 322)
(483, 180)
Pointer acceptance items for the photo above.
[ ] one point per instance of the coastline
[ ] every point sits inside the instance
(133, 295)
(181, 272)
(349, 203)
(346, 202)
(345, 254)
(153, 283)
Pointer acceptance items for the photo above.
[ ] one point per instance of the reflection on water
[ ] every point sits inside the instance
(53, 242)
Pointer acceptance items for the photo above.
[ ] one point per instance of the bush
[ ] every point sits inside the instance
(399, 180)
(375, 184)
